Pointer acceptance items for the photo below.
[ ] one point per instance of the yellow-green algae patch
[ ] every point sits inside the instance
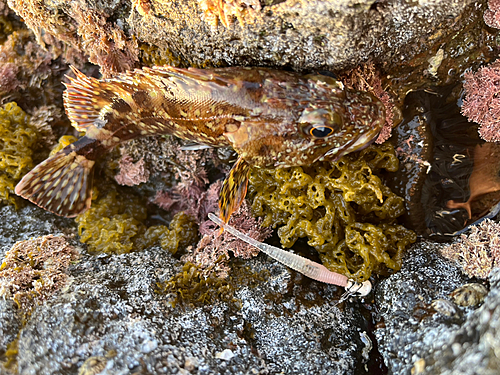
(343, 208)
(115, 224)
(17, 140)
(192, 288)
(64, 141)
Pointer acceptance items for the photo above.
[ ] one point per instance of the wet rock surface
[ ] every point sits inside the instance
(299, 34)
(424, 331)
(110, 319)
(9, 324)
(305, 34)
(27, 222)
(110, 316)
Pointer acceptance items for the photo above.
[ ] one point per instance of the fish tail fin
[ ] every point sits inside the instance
(234, 189)
(62, 184)
(84, 98)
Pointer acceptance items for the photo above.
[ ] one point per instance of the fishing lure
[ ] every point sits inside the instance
(300, 264)
(271, 118)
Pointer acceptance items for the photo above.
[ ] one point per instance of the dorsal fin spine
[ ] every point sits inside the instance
(83, 100)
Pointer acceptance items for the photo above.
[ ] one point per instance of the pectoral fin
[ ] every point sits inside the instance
(234, 189)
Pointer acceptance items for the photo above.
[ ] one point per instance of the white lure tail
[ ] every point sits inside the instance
(300, 264)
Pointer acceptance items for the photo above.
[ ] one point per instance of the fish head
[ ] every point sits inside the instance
(337, 129)
(320, 129)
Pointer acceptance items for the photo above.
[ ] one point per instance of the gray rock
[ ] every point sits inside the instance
(301, 34)
(19, 225)
(28, 222)
(111, 318)
(9, 323)
(417, 338)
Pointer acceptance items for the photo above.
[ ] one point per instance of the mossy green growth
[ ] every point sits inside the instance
(151, 56)
(115, 224)
(192, 288)
(10, 355)
(195, 287)
(343, 208)
(6, 28)
(17, 140)
(182, 232)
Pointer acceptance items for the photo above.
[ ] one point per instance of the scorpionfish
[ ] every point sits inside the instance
(271, 118)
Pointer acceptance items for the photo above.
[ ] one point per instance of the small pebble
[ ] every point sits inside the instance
(469, 295)
(226, 354)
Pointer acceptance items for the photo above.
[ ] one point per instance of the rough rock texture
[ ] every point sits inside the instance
(110, 320)
(302, 34)
(111, 313)
(418, 339)
(9, 323)
(28, 222)
(16, 226)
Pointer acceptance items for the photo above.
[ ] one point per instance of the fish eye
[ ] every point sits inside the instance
(319, 122)
(320, 131)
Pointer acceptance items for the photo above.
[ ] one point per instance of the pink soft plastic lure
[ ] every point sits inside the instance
(300, 264)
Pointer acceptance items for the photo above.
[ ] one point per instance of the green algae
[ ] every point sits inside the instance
(182, 232)
(6, 28)
(17, 140)
(343, 208)
(151, 56)
(115, 224)
(193, 286)
(10, 355)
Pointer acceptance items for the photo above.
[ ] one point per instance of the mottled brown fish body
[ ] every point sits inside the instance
(271, 118)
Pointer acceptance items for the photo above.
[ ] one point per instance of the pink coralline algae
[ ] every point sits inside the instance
(367, 78)
(482, 100)
(35, 269)
(492, 14)
(8, 79)
(478, 252)
(131, 173)
(212, 252)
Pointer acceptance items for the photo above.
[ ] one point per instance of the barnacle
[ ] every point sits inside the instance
(17, 139)
(115, 224)
(343, 208)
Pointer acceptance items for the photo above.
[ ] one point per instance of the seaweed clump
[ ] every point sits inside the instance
(35, 269)
(17, 139)
(478, 252)
(115, 224)
(343, 208)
